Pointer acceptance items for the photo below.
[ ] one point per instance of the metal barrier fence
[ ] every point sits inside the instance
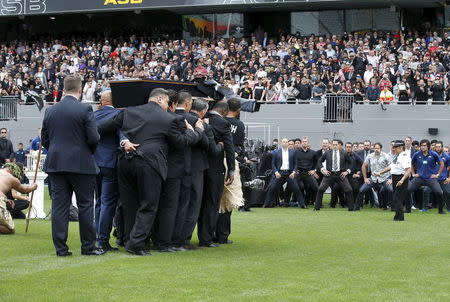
(338, 108)
(8, 108)
(31, 161)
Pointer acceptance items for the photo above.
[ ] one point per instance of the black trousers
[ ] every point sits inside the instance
(140, 190)
(433, 184)
(167, 211)
(399, 197)
(19, 206)
(337, 190)
(209, 210)
(277, 183)
(246, 175)
(183, 205)
(63, 186)
(309, 184)
(193, 208)
(329, 181)
(223, 229)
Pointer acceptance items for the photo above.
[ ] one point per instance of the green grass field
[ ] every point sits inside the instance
(278, 255)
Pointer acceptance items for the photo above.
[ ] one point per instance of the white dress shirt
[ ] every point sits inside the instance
(285, 159)
(401, 164)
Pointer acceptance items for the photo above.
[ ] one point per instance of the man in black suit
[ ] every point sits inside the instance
(170, 213)
(144, 167)
(183, 106)
(69, 134)
(199, 163)
(284, 166)
(215, 174)
(354, 178)
(337, 168)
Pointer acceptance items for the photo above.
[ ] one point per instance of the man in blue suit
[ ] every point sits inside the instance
(284, 166)
(70, 136)
(105, 157)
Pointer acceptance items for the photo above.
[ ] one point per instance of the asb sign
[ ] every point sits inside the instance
(121, 2)
(19, 7)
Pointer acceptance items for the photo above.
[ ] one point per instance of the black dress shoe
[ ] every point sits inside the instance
(94, 252)
(108, 248)
(120, 242)
(208, 245)
(64, 254)
(178, 249)
(350, 209)
(225, 241)
(138, 252)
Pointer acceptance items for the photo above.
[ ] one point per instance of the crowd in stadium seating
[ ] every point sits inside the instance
(372, 66)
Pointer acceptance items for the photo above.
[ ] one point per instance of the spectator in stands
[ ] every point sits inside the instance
(437, 92)
(403, 93)
(373, 91)
(400, 57)
(359, 93)
(246, 91)
(304, 89)
(259, 90)
(318, 91)
(421, 92)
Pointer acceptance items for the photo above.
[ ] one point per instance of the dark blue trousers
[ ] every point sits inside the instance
(105, 207)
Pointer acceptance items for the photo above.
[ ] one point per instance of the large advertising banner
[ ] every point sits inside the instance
(29, 7)
(213, 26)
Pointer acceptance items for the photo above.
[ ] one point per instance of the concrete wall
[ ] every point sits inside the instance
(369, 122)
(298, 120)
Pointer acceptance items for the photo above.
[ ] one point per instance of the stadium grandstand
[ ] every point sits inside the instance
(334, 61)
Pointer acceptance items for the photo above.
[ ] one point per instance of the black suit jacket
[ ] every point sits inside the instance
(206, 145)
(154, 130)
(188, 149)
(222, 133)
(344, 161)
(356, 163)
(69, 134)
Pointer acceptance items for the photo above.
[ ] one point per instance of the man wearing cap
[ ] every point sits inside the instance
(400, 170)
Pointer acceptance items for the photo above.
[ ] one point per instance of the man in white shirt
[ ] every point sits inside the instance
(400, 170)
(368, 74)
(284, 166)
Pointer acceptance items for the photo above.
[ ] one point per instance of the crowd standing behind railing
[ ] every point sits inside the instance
(378, 65)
